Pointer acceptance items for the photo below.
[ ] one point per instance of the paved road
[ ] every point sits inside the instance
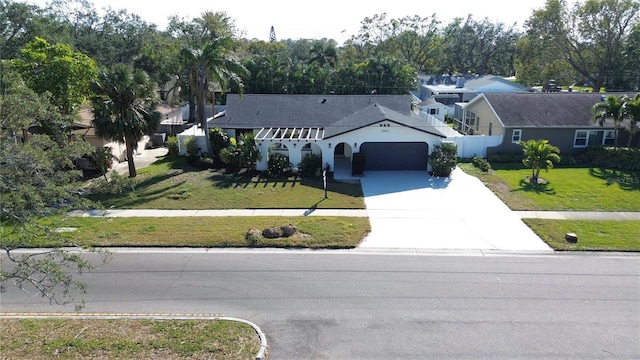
(325, 305)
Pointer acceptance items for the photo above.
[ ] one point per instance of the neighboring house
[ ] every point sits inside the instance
(383, 127)
(565, 119)
(172, 122)
(463, 90)
(434, 108)
(85, 131)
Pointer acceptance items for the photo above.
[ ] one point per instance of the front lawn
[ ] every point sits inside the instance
(171, 183)
(315, 232)
(602, 235)
(126, 339)
(577, 189)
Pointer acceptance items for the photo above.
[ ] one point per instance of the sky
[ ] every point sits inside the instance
(331, 19)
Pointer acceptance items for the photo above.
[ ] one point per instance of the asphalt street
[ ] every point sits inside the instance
(332, 305)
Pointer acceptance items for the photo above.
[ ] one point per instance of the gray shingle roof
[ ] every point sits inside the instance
(277, 110)
(545, 109)
(374, 114)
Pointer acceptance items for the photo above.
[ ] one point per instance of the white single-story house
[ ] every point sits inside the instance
(382, 127)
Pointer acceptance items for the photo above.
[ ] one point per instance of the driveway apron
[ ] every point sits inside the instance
(411, 209)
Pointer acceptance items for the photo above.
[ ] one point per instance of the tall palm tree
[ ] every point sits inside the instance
(124, 103)
(631, 111)
(323, 53)
(538, 155)
(610, 108)
(211, 64)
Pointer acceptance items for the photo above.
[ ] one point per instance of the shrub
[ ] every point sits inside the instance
(310, 165)
(219, 140)
(481, 164)
(358, 163)
(503, 157)
(192, 148)
(443, 159)
(241, 154)
(618, 158)
(102, 159)
(278, 164)
(172, 146)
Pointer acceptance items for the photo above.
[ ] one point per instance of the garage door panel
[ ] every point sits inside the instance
(395, 156)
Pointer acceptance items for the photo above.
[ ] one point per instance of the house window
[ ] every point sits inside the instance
(433, 111)
(581, 139)
(609, 138)
(469, 121)
(516, 136)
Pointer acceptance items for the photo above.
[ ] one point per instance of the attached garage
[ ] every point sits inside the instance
(395, 155)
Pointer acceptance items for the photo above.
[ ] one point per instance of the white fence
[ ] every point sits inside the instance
(468, 145)
(474, 145)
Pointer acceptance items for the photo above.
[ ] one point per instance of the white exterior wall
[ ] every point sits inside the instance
(192, 131)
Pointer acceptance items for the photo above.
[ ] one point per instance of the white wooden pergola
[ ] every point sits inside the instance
(291, 134)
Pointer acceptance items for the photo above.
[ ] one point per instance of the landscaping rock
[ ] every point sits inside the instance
(272, 232)
(571, 237)
(288, 230)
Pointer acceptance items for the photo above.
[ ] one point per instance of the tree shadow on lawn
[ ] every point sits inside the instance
(255, 179)
(626, 180)
(542, 187)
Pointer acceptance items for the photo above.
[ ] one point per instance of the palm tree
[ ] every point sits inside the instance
(323, 53)
(538, 155)
(631, 111)
(209, 63)
(610, 108)
(124, 103)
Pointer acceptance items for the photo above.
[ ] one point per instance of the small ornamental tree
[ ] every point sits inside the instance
(443, 159)
(538, 155)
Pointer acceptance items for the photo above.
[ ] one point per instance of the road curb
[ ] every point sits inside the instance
(156, 316)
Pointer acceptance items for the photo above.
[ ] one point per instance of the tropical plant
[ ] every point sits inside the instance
(323, 53)
(219, 140)
(209, 62)
(610, 108)
(538, 155)
(631, 111)
(241, 154)
(124, 105)
(443, 159)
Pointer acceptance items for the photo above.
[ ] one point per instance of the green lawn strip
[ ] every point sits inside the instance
(322, 232)
(601, 235)
(576, 189)
(173, 184)
(126, 339)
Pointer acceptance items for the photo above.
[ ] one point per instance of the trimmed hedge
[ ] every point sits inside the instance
(619, 158)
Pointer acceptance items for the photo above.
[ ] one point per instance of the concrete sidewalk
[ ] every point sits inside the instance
(578, 215)
(398, 213)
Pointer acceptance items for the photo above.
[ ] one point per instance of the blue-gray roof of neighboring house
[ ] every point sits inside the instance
(485, 82)
(546, 109)
(374, 114)
(280, 110)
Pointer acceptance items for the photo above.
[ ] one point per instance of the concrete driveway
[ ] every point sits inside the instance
(410, 209)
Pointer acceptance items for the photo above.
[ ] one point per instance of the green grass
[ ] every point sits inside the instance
(602, 235)
(321, 232)
(173, 184)
(577, 189)
(126, 339)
